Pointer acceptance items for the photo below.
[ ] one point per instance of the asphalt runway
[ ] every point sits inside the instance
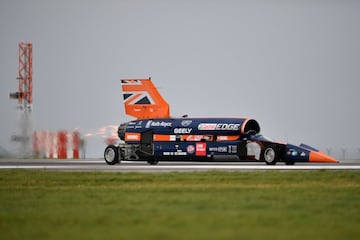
(100, 165)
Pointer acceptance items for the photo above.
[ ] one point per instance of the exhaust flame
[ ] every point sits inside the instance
(109, 131)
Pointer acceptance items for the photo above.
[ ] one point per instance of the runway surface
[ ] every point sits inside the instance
(100, 165)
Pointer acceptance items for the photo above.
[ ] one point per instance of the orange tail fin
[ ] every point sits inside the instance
(142, 100)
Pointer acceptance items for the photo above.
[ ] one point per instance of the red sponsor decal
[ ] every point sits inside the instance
(200, 149)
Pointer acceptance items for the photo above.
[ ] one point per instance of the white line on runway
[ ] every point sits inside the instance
(184, 167)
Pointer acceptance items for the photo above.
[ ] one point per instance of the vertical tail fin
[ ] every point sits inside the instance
(142, 100)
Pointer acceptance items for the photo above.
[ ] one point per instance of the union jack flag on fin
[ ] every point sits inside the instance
(142, 100)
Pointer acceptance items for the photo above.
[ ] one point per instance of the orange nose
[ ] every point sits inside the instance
(321, 157)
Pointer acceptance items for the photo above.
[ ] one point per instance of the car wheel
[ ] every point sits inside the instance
(111, 155)
(270, 155)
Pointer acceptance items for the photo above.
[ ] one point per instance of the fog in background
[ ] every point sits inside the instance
(292, 65)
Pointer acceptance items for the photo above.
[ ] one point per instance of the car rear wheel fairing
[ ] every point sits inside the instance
(111, 155)
(270, 155)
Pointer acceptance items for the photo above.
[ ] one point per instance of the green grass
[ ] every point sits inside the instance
(205, 205)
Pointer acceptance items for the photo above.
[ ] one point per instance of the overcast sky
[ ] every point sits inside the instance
(292, 65)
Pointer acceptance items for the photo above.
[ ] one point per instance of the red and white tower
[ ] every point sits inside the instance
(24, 93)
(24, 97)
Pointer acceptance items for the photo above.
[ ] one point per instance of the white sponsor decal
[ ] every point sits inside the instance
(182, 130)
(186, 123)
(174, 153)
(221, 149)
(232, 149)
(148, 124)
(219, 126)
(152, 123)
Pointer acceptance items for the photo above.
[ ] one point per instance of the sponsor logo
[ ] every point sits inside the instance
(190, 149)
(131, 125)
(182, 130)
(219, 126)
(207, 126)
(186, 123)
(178, 153)
(232, 149)
(152, 123)
(222, 149)
(200, 149)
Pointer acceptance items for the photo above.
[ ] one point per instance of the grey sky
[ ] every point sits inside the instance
(292, 65)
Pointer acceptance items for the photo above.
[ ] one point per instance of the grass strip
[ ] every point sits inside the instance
(201, 205)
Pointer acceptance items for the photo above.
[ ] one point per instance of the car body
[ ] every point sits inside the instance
(155, 136)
